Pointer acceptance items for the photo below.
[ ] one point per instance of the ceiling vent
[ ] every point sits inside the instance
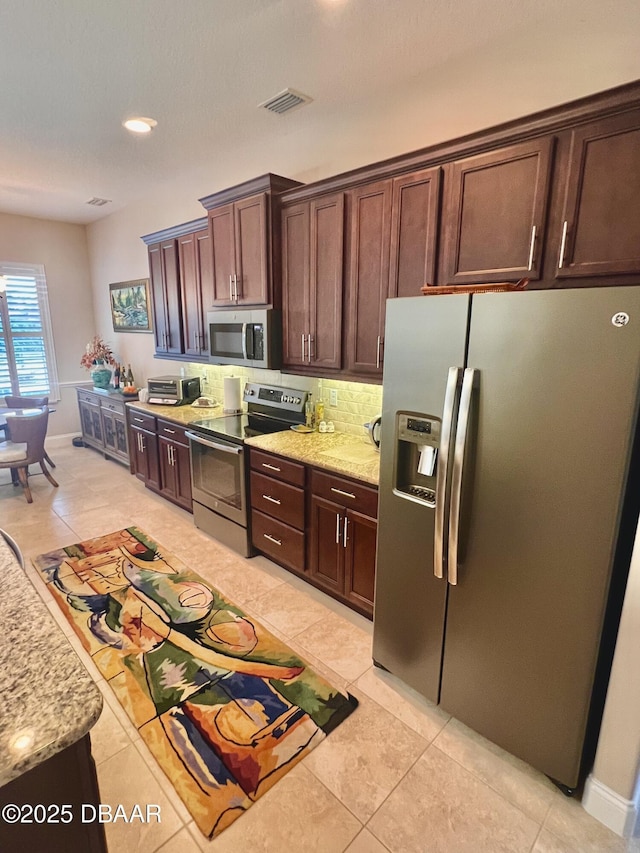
(98, 202)
(284, 101)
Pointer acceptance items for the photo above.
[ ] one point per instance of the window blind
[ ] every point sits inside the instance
(27, 358)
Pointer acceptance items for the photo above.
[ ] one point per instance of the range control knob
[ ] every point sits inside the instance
(297, 401)
(250, 392)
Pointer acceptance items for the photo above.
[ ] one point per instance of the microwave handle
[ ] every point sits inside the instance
(248, 338)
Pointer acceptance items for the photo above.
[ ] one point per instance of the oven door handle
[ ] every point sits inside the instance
(226, 448)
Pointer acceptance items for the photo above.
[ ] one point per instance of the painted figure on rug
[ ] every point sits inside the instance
(137, 604)
(225, 706)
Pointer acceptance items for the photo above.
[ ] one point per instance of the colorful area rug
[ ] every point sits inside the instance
(224, 706)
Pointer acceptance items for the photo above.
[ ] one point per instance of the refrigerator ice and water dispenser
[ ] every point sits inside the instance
(416, 451)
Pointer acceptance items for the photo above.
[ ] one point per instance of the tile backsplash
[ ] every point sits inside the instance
(357, 403)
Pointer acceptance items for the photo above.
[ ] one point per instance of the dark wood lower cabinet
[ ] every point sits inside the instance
(160, 457)
(67, 779)
(326, 550)
(325, 532)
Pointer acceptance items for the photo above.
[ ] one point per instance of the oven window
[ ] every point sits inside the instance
(226, 340)
(218, 475)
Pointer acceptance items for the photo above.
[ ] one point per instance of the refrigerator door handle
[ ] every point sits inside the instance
(462, 431)
(453, 380)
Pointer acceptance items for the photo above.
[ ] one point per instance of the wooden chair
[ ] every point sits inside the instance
(25, 447)
(13, 402)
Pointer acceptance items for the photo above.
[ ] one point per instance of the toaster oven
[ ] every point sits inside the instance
(173, 390)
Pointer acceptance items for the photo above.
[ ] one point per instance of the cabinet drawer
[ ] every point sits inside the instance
(276, 466)
(345, 492)
(112, 405)
(173, 431)
(142, 420)
(277, 499)
(277, 540)
(88, 397)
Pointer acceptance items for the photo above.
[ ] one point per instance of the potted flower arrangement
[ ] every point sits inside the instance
(96, 357)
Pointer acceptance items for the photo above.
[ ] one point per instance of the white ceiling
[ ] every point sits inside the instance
(72, 70)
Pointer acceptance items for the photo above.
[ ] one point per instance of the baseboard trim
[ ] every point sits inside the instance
(60, 440)
(614, 811)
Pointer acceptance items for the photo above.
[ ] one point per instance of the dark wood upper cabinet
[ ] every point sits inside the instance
(238, 234)
(600, 231)
(368, 275)
(244, 229)
(195, 290)
(223, 254)
(296, 315)
(495, 214)
(312, 274)
(165, 286)
(414, 231)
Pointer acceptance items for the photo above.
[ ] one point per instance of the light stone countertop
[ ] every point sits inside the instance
(350, 455)
(182, 415)
(338, 452)
(48, 699)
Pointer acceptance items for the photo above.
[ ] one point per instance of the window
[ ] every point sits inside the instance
(27, 359)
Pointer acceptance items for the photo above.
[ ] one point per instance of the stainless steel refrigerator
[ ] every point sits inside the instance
(508, 498)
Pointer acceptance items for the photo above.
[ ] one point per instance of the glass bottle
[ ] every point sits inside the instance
(309, 412)
(129, 376)
(116, 376)
(319, 416)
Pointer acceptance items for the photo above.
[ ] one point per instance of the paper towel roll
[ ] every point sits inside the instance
(232, 395)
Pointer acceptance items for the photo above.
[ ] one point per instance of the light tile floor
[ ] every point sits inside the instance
(398, 775)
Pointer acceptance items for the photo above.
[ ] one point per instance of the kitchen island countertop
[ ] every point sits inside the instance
(48, 700)
(344, 454)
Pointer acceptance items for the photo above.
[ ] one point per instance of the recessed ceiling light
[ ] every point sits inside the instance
(139, 124)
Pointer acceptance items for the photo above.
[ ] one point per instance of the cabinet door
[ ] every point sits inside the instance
(175, 474)
(157, 290)
(414, 232)
(171, 277)
(144, 456)
(167, 468)
(204, 262)
(360, 560)
(190, 295)
(326, 551)
(325, 283)
(109, 430)
(295, 284)
(368, 284)
(223, 257)
(90, 419)
(252, 268)
(601, 220)
(495, 214)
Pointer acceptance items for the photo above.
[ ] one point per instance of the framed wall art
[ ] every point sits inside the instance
(130, 306)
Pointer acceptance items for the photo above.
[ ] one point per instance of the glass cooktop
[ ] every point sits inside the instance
(236, 428)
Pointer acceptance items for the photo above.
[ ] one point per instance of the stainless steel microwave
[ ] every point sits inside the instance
(247, 337)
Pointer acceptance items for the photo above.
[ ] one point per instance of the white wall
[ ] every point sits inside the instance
(62, 249)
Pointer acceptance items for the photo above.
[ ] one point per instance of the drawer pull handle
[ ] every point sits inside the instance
(273, 500)
(139, 420)
(272, 539)
(171, 431)
(270, 467)
(340, 492)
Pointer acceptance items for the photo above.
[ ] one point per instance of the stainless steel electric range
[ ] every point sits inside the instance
(219, 474)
